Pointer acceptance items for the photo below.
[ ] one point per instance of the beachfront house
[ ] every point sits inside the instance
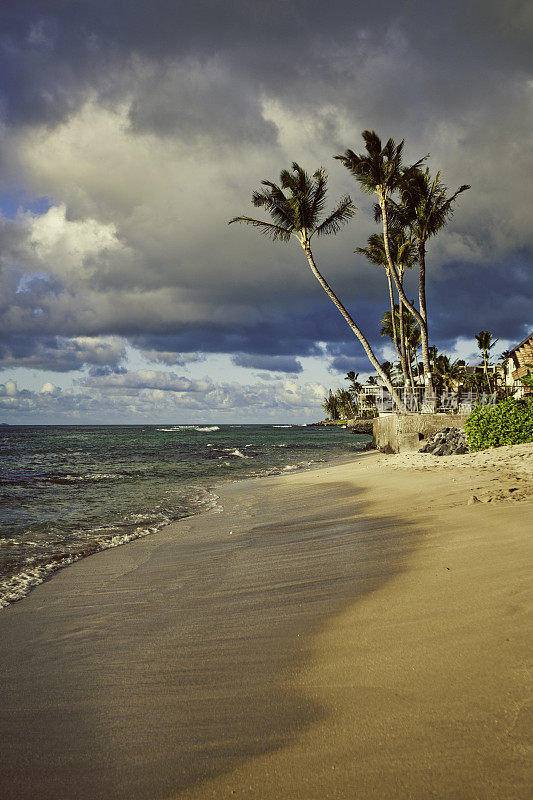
(516, 366)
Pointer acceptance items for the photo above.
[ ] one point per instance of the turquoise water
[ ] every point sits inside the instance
(69, 491)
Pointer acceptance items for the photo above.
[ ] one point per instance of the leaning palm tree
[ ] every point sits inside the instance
(296, 207)
(379, 171)
(486, 343)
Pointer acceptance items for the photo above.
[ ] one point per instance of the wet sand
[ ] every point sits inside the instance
(355, 631)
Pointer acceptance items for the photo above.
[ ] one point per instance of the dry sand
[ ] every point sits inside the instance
(358, 631)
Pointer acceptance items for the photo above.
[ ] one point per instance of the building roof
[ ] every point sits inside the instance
(518, 346)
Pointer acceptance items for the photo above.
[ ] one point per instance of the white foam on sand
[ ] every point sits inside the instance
(19, 585)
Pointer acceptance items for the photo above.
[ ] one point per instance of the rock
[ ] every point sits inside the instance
(362, 426)
(448, 441)
(473, 499)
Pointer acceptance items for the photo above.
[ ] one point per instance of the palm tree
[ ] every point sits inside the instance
(403, 254)
(331, 405)
(412, 342)
(345, 401)
(379, 171)
(486, 343)
(447, 373)
(425, 209)
(410, 333)
(296, 208)
(355, 385)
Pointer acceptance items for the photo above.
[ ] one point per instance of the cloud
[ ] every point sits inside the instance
(171, 358)
(275, 363)
(147, 128)
(61, 354)
(147, 395)
(132, 382)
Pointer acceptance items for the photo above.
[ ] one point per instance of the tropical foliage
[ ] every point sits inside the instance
(486, 343)
(508, 422)
(340, 405)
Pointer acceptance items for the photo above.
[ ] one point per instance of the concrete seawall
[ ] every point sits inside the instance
(399, 433)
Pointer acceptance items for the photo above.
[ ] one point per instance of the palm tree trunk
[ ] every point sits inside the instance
(422, 302)
(368, 350)
(486, 368)
(400, 347)
(403, 356)
(422, 280)
(410, 365)
(414, 311)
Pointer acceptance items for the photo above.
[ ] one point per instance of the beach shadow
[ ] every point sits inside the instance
(182, 665)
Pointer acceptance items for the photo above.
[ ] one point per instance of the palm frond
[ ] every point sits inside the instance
(332, 224)
(361, 168)
(274, 232)
(318, 199)
(275, 202)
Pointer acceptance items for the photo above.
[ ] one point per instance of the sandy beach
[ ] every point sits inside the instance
(357, 631)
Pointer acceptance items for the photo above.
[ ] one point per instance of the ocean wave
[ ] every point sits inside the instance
(20, 584)
(175, 428)
(58, 477)
(234, 451)
(208, 429)
(282, 426)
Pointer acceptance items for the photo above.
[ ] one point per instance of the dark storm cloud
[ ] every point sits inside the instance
(55, 53)
(61, 354)
(148, 126)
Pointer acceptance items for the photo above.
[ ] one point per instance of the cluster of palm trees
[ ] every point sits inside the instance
(412, 206)
(448, 376)
(340, 405)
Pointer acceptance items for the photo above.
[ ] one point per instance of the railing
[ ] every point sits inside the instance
(418, 401)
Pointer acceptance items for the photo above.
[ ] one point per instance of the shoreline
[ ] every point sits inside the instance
(21, 585)
(313, 651)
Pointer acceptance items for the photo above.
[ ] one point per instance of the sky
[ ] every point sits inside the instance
(132, 131)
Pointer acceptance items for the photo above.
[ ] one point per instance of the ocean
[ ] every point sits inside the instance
(68, 491)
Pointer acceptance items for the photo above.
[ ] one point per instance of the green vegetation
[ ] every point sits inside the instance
(485, 342)
(527, 379)
(508, 422)
(339, 405)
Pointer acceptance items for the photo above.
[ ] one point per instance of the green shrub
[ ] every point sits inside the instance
(508, 422)
(527, 379)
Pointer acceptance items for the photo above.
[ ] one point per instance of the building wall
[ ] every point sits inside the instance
(521, 356)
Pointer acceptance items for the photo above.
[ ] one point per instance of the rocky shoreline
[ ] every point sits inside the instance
(355, 425)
